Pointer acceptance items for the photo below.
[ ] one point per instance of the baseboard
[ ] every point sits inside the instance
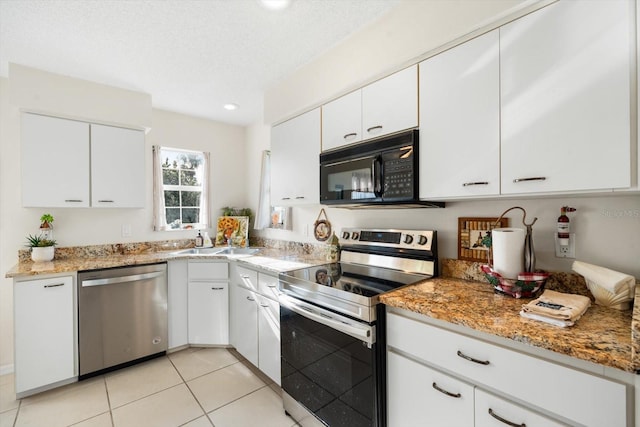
(6, 369)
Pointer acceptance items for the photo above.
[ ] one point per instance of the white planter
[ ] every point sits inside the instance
(42, 254)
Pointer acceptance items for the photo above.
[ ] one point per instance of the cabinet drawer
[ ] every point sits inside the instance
(248, 278)
(207, 270)
(268, 285)
(542, 383)
(493, 411)
(421, 396)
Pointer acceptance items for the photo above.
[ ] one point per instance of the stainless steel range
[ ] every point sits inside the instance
(332, 326)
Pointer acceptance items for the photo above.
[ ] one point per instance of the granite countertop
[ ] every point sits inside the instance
(602, 335)
(275, 260)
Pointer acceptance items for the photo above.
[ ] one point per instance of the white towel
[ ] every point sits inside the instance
(612, 281)
(550, 320)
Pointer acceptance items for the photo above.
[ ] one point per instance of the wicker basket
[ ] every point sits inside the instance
(527, 285)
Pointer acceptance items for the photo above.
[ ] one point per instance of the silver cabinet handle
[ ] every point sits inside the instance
(250, 299)
(502, 420)
(374, 128)
(244, 276)
(286, 198)
(217, 289)
(471, 359)
(468, 184)
(272, 286)
(73, 201)
(106, 201)
(448, 393)
(349, 135)
(264, 305)
(54, 286)
(533, 178)
(299, 197)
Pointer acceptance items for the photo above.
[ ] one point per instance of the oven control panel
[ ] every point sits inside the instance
(400, 239)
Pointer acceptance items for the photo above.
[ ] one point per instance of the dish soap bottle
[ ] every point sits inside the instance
(333, 250)
(199, 240)
(207, 240)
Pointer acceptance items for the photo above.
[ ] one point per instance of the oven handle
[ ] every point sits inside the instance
(363, 333)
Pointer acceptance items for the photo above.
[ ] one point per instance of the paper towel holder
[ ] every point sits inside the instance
(529, 253)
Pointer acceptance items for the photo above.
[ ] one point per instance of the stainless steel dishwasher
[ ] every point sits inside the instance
(122, 316)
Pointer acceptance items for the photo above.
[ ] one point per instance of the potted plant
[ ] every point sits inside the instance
(42, 249)
(46, 221)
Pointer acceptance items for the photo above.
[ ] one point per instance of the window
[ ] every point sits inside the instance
(180, 189)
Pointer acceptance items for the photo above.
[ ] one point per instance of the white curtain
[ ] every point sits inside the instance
(159, 217)
(204, 197)
(263, 215)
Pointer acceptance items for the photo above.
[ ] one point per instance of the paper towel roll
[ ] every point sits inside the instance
(508, 251)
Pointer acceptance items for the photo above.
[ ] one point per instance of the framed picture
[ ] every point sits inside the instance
(471, 232)
(232, 230)
(280, 218)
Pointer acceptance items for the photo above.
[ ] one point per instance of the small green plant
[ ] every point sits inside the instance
(39, 242)
(229, 211)
(46, 221)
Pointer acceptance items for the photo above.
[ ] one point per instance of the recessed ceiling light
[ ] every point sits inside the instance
(275, 4)
(230, 107)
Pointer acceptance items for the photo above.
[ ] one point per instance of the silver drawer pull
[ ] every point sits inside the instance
(379, 127)
(250, 299)
(264, 305)
(73, 201)
(245, 277)
(534, 178)
(471, 359)
(272, 286)
(217, 289)
(286, 198)
(299, 197)
(54, 286)
(448, 393)
(468, 184)
(502, 420)
(106, 201)
(349, 135)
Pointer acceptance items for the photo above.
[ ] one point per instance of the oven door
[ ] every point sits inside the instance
(330, 370)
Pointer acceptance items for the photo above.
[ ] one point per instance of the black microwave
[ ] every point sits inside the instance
(382, 172)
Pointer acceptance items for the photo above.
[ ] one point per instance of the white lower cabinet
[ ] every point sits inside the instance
(255, 320)
(178, 303)
(45, 332)
(208, 302)
(421, 396)
(552, 391)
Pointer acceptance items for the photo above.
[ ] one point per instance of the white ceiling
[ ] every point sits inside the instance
(192, 56)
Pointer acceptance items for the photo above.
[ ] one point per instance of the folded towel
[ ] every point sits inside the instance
(613, 281)
(550, 320)
(557, 305)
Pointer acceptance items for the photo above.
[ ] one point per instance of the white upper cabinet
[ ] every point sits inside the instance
(386, 106)
(342, 121)
(295, 153)
(460, 120)
(565, 98)
(66, 163)
(117, 167)
(391, 104)
(55, 162)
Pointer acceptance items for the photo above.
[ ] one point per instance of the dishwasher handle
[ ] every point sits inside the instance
(121, 279)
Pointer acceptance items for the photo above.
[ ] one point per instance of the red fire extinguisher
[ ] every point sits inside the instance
(563, 225)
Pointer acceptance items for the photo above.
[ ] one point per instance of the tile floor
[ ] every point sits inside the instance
(191, 388)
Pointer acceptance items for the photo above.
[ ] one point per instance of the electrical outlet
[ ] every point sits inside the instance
(126, 230)
(566, 251)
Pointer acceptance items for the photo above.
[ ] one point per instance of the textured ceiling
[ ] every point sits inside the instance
(192, 56)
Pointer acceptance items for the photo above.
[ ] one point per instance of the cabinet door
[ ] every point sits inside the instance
(209, 313)
(421, 396)
(391, 104)
(117, 167)
(460, 120)
(244, 323)
(342, 121)
(492, 411)
(268, 285)
(177, 308)
(55, 162)
(565, 98)
(269, 338)
(45, 338)
(295, 153)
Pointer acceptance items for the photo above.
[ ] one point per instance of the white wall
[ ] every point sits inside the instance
(226, 143)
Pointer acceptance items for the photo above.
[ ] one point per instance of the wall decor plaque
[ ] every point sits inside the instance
(472, 232)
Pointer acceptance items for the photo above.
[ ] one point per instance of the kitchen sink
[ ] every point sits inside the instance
(199, 251)
(238, 251)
